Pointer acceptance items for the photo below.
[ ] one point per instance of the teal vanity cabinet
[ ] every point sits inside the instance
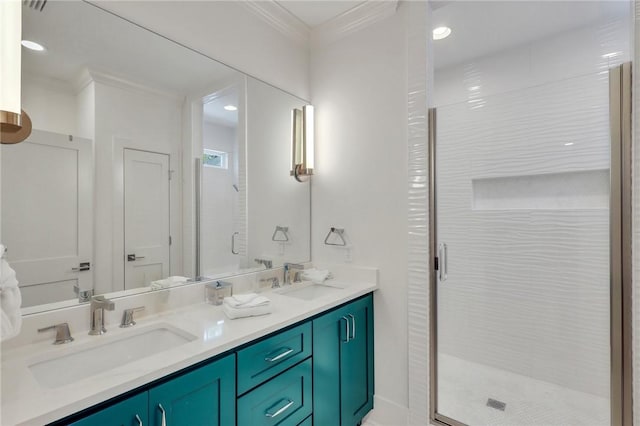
(204, 396)
(274, 379)
(343, 364)
(129, 412)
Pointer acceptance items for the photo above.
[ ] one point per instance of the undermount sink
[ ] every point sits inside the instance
(310, 291)
(79, 363)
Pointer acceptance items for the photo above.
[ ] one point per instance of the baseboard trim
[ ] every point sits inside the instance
(386, 413)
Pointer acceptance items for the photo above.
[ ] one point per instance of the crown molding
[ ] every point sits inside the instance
(353, 20)
(280, 19)
(88, 76)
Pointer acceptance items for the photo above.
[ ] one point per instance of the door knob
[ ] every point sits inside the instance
(133, 257)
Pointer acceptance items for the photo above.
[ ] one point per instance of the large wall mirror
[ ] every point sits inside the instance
(149, 164)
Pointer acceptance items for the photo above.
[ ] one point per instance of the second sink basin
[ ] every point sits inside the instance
(80, 363)
(310, 291)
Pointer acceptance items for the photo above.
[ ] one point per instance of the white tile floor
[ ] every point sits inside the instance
(464, 388)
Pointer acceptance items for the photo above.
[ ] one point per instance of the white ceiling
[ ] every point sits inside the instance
(214, 111)
(317, 12)
(480, 28)
(78, 35)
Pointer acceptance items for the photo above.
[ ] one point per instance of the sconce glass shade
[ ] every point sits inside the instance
(15, 125)
(302, 143)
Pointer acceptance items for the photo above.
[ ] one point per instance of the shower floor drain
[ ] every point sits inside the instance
(498, 405)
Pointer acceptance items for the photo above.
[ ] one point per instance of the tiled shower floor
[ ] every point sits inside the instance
(465, 386)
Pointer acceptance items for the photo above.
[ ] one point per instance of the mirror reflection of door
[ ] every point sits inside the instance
(47, 215)
(146, 217)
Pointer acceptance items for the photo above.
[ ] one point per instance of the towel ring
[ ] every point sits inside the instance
(284, 230)
(340, 233)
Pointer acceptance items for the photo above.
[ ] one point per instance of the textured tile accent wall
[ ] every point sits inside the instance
(527, 288)
(418, 219)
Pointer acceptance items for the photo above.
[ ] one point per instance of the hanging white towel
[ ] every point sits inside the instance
(10, 301)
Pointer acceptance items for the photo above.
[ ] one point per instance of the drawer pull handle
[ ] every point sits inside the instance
(139, 420)
(164, 415)
(278, 357)
(284, 408)
(346, 323)
(353, 326)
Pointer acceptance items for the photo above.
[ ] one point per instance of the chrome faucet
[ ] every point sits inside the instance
(275, 282)
(294, 268)
(98, 305)
(127, 317)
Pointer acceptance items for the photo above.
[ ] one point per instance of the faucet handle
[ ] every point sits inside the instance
(127, 316)
(63, 335)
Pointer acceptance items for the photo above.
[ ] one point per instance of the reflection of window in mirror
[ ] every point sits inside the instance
(213, 158)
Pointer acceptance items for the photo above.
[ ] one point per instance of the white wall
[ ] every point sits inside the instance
(226, 31)
(126, 117)
(219, 200)
(359, 89)
(50, 103)
(274, 197)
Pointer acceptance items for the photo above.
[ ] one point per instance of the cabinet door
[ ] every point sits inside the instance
(343, 370)
(356, 362)
(203, 397)
(130, 412)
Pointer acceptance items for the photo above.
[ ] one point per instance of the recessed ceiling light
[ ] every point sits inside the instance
(32, 45)
(568, 144)
(441, 32)
(231, 107)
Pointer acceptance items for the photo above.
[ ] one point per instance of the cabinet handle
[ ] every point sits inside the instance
(353, 326)
(346, 323)
(281, 355)
(139, 420)
(164, 415)
(271, 414)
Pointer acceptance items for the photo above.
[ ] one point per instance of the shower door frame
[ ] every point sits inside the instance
(620, 257)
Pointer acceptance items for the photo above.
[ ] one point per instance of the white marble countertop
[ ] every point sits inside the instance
(26, 402)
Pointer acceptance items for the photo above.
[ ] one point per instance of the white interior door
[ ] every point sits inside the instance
(146, 217)
(47, 215)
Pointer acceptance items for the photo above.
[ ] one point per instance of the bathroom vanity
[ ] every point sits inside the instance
(309, 362)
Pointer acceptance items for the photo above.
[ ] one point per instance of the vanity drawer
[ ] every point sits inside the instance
(264, 360)
(284, 401)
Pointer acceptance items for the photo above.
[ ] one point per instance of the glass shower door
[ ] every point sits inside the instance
(522, 193)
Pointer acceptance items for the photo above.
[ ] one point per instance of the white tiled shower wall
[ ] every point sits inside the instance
(537, 271)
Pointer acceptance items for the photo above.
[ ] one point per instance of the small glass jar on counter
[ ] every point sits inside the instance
(216, 291)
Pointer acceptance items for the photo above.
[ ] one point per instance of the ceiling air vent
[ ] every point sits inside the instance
(35, 4)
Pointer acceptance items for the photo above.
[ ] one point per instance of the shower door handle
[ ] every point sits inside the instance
(233, 243)
(442, 262)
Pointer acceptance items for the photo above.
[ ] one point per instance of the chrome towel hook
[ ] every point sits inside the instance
(284, 230)
(340, 233)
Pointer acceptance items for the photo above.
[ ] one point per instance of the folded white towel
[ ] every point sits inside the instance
(248, 300)
(10, 301)
(234, 313)
(167, 282)
(318, 276)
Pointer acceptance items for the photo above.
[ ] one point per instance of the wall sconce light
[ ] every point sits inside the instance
(15, 125)
(302, 143)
